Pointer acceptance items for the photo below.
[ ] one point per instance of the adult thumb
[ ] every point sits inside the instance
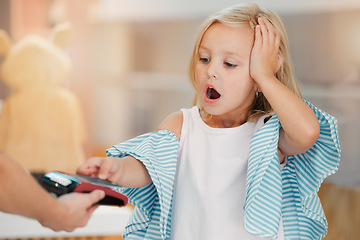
(97, 195)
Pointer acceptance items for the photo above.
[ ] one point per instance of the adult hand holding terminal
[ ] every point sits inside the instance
(60, 183)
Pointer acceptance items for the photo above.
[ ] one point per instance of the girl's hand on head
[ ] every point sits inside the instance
(265, 59)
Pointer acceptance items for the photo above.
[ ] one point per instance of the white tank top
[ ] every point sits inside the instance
(210, 182)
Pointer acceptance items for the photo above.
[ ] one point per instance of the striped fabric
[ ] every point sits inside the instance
(293, 191)
(270, 192)
(158, 151)
(263, 182)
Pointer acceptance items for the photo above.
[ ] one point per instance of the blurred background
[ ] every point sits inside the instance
(130, 62)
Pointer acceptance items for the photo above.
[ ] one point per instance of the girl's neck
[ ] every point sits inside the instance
(219, 121)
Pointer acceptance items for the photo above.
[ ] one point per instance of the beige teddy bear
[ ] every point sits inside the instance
(41, 124)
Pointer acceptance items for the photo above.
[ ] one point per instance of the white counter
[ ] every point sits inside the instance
(104, 221)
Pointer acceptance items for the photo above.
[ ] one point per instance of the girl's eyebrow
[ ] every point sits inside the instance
(226, 52)
(203, 48)
(231, 53)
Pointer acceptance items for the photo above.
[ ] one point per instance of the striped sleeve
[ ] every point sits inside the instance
(262, 208)
(322, 159)
(302, 178)
(292, 190)
(158, 151)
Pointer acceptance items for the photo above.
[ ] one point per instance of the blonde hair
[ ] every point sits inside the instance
(248, 14)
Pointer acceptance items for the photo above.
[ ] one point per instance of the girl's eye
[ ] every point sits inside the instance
(230, 65)
(204, 60)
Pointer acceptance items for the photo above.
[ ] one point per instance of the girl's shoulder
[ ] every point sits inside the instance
(173, 123)
(262, 119)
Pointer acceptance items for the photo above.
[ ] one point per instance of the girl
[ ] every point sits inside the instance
(246, 161)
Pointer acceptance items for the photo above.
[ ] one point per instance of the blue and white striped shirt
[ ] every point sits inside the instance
(270, 192)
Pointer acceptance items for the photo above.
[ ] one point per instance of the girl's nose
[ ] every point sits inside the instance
(212, 76)
(211, 71)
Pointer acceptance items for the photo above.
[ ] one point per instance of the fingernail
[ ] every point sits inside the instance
(102, 194)
(102, 176)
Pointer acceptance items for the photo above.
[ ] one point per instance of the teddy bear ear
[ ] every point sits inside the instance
(62, 35)
(5, 42)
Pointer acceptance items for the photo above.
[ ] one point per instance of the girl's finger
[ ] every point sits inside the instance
(104, 172)
(258, 37)
(89, 167)
(273, 33)
(264, 31)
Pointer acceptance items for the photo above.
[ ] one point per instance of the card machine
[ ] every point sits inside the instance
(60, 183)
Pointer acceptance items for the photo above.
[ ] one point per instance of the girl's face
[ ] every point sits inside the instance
(223, 83)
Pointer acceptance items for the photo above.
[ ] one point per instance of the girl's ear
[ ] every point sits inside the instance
(62, 35)
(5, 43)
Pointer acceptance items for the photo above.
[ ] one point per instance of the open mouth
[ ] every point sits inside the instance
(211, 93)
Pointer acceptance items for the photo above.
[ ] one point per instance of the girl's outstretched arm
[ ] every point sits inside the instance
(127, 172)
(300, 127)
